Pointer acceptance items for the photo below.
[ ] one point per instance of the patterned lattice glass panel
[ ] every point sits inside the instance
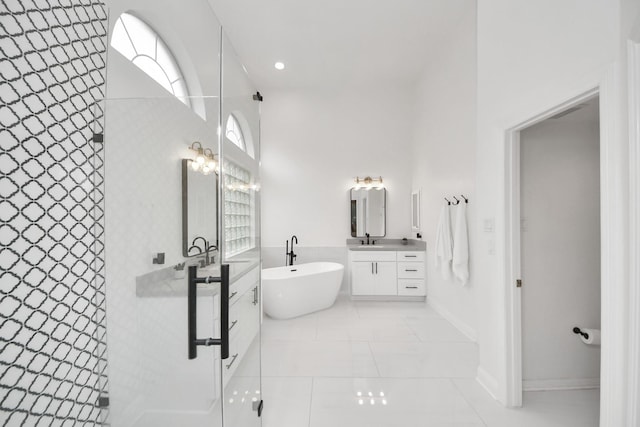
(52, 329)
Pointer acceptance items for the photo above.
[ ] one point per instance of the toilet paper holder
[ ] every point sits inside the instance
(577, 331)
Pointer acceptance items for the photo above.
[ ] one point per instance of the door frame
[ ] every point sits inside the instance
(513, 241)
(633, 54)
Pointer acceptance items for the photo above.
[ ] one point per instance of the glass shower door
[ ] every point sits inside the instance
(153, 201)
(152, 382)
(166, 218)
(240, 243)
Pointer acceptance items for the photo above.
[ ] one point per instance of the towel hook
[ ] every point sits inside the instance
(465, 199)
(448, 201)
(457, 200)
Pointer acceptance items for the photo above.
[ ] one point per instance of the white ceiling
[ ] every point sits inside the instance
(333, 43)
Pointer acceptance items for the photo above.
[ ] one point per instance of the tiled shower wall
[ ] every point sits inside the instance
(52, 331)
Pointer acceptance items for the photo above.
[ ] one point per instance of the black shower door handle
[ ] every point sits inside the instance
(192, 333)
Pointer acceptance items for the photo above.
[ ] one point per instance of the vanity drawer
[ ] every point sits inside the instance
(373, 256)
(411, 287)
(410, 256)
(411, 270)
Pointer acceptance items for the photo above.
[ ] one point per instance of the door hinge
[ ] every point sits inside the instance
(518, 283)
(258, 406)
(103, 402)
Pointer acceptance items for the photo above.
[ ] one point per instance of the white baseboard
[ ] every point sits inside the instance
(561, 384)
(487, 382)
(467, 330)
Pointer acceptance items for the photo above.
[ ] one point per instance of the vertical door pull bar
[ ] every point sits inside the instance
(223, 341)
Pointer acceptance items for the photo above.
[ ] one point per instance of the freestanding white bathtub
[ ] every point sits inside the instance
(295, 290)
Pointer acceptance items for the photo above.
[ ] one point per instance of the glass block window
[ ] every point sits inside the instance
(239, 206)
(233, 132)
(141, 45)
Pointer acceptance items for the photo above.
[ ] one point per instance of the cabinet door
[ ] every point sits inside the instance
(385, 277)
(362, 278)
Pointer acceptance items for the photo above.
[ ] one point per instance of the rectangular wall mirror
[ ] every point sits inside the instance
(415, 210)
(368, 212)
(199, 211)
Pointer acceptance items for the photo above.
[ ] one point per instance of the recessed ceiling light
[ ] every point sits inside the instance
(279, 66)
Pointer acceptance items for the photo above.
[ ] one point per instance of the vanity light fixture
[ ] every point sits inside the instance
(204, 159)
(210, 163)
(198, 160)
(244, 187)
(279, 66)
(369, 183)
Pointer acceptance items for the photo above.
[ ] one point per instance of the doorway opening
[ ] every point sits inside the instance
(554, 252)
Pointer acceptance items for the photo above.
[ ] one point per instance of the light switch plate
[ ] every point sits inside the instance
(489, 225)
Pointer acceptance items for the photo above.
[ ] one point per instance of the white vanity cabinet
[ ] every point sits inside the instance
(244, 319)
(373, 273)
(387, 273)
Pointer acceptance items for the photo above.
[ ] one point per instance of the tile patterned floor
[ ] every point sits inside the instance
(384, 364)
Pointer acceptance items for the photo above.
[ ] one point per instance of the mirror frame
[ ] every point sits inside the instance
(352, 218)
(185, 210)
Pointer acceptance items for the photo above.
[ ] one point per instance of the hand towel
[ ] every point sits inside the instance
(460, 262)
(443, 251)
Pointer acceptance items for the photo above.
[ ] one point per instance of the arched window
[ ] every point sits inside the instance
(141, 45)
(233, 132)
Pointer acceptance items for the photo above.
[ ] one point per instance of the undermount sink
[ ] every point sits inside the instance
(371, 246)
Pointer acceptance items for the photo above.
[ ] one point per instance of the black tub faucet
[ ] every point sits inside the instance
(290, 255)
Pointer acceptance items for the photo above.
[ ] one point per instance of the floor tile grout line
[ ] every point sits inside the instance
(313, 380)
(373, 357)
(473, 408)
(415, 334)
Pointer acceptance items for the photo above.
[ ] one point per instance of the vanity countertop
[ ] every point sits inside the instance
(386, 245)
(169, 282)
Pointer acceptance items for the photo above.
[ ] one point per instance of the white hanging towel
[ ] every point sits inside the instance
(444, 245)
(460, 263)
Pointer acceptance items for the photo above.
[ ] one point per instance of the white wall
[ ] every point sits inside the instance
(443, 159)
(314, 143)
(525, 68)
(560, 240)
